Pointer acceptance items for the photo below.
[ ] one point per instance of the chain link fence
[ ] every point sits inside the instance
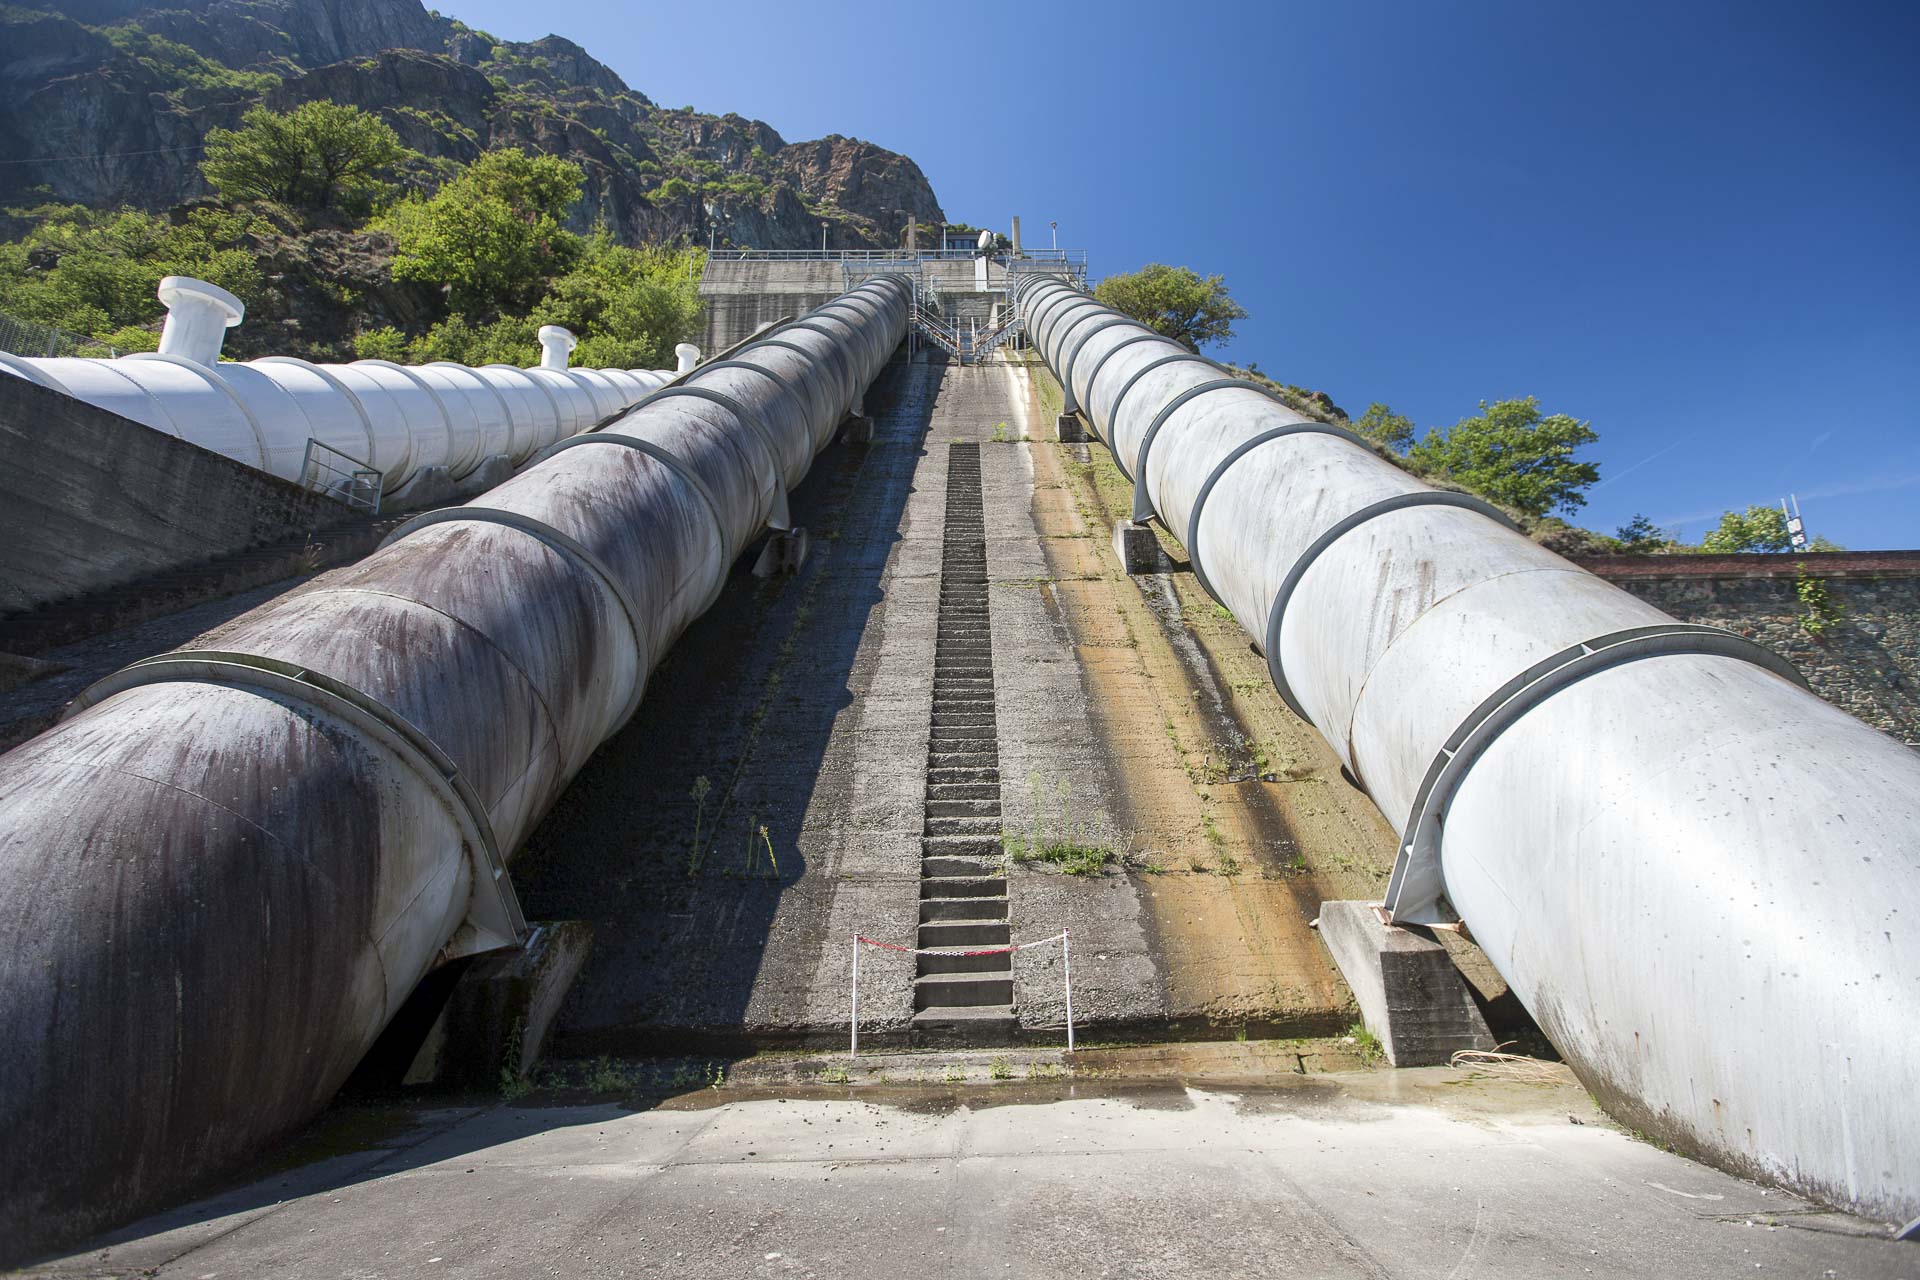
(25, 338)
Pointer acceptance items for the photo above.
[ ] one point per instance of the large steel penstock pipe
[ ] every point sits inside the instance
(220, 878)
(1701, 879)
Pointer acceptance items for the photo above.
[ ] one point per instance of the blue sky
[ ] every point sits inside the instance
(1695, 225)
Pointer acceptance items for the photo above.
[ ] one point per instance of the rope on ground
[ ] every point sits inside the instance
(1507, 1066)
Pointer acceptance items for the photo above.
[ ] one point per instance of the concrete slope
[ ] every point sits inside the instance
(90, 501)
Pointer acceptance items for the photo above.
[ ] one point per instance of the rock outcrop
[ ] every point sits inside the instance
(109, 102)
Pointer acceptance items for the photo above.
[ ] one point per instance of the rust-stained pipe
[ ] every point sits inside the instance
(222, 875)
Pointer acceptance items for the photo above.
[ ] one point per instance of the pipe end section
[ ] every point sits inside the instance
(688, 355)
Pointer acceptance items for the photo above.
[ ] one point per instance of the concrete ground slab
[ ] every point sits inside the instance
(1426, 1174)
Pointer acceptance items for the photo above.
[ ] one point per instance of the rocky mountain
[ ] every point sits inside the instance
(108, 102)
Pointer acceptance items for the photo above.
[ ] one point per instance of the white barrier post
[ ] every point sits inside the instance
(1066, 953)
(854, 1050)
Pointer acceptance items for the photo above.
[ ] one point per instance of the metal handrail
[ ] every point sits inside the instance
(357, 485)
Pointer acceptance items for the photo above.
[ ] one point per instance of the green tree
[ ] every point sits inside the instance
(1756, 529)
(1391, 431)
(1640, 536)
(1513, 455)
(1175, 302)
(627, 306)
(320, 155)
(492, 237)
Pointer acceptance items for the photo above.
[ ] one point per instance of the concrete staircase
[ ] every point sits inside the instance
(961, 999)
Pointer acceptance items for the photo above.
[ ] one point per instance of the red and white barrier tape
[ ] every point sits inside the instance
(1066, 956)
(946, 951)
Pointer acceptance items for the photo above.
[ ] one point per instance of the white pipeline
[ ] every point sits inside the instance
(1702, 880)
(400, 420)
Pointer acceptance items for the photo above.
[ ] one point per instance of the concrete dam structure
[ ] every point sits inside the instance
(1700, 879)
(226, 869)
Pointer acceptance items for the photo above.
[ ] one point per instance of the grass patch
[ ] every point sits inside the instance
(1371, 1051)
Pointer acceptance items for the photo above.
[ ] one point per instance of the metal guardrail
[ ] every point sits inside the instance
(357, 484)
(27, 338)
(1067, 256)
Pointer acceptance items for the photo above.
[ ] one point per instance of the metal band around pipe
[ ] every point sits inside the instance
(1113, 410)
(1145, 335)
(1066, 378)
(1417, 891)
(1047, 304)
(1048, 311)
(678, 468)
(570, 548)
(778, 520)
(1142, 504)
(493, 913)
(213, 379)
(1061, 332)
(1339, 529)
(1240, 451)
(1045, 309)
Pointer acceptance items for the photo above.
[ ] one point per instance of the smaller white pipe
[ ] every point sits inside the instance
(198, 317)
(556, 346)
(688, 355)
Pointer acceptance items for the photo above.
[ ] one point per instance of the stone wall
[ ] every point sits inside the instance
(90, 500)
(1867, 662)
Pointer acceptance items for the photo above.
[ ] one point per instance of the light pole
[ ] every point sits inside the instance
(1055, 228)
(823, 238)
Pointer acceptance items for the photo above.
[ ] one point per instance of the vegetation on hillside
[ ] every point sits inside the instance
(480, 264)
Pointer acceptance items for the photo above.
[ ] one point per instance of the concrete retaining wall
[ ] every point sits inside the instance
(1867, 661)
(90, 500)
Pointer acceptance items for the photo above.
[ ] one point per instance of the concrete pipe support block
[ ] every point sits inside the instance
(1410, 995)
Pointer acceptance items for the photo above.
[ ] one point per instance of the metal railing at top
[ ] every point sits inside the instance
(1057, 256)
(341, 476)
(26, 338)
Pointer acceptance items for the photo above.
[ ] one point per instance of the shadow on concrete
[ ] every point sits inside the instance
(682, 890)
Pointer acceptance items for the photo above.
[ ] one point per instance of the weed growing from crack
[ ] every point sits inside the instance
(1368, 1044)
(1002, 1068)
(695, 851)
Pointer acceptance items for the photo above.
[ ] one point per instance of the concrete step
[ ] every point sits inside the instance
(973, 826)
(948, 792)
(932, 909)
(963, 734)
(963, 776)
(994, 962)
(960, 846)
(988, 886)
(963, 990)
(965, 807)
(957, 1028)
(976, 759)
(946, 865)
(965, 933)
